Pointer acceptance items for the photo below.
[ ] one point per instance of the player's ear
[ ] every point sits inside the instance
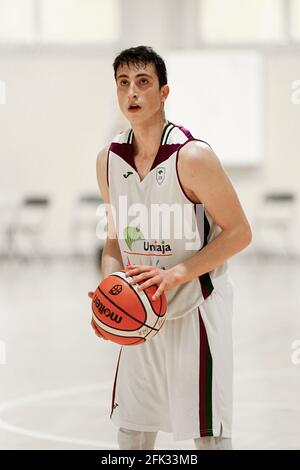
(165, 90)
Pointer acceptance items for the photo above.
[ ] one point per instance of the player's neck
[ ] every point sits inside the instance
(147, 137)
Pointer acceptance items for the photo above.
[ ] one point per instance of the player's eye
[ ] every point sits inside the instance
(123, 82)
(144, 81)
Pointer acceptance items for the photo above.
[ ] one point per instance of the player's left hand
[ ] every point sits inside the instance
(147, 276)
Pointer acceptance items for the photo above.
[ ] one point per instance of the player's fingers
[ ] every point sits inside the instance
(91, 295)
(159, 291)
(137, 269)
(150, 282)
(99, 335)
(96, 331)
(141, 277)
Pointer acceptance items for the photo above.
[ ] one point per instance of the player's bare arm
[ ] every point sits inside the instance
(204, 181)
(111, 256)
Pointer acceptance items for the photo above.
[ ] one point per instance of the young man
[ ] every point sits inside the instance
(180, 380)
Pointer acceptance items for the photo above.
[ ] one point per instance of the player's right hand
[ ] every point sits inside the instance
(97, 332)
(91, 295)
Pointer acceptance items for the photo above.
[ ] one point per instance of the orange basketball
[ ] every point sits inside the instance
(124, 314)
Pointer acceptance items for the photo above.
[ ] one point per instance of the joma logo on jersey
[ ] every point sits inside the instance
(161, 247)
(127, 174)
(103, 310)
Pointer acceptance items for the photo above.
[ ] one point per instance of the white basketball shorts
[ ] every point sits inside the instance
(181, 380)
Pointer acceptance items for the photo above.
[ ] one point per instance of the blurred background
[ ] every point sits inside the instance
(234, 74)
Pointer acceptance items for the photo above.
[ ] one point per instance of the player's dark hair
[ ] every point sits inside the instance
(142, 55)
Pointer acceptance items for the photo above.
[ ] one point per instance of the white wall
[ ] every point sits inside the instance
(60, 111)
(280, 168)
(216, 92)
(58, 114)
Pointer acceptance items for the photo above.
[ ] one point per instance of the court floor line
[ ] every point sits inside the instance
(55, 438)
(38, 398)
(52, 394)
(292, 406)
(266, 373)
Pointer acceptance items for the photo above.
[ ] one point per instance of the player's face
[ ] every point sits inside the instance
(139, 94)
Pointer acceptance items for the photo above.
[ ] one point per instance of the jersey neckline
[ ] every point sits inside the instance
(168, 127)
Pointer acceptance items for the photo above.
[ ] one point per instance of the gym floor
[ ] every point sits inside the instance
(56, 375)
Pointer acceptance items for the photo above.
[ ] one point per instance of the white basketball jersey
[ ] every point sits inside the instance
(156, 223)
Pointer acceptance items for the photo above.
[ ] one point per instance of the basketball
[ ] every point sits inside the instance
(125, 315)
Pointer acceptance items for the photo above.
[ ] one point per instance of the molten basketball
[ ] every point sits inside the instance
(124, 314)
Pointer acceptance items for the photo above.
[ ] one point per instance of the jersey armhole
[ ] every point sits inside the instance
(177, 173)
(176, 165)
(107, 165)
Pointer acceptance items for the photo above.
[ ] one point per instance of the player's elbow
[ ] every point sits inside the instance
(245, 235)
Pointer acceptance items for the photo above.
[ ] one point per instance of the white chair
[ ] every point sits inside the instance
(28, 228)
(9, 205)
(274, 224)
(85, 219)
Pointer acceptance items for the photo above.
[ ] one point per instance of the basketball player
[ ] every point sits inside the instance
(181, 380)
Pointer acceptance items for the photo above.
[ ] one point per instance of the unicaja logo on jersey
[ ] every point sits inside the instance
(157, 247)
(160, 174)
(133, 234)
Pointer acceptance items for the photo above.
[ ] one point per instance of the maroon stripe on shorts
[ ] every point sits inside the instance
(202, 376)
(115, 383)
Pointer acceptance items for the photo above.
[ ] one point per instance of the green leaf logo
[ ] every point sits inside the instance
(132, 234)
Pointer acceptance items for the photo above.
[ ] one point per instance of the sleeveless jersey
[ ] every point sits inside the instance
(156, 223)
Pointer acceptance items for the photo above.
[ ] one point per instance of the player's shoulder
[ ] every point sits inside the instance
(196, 149)
(102, 156)
(123, 137)
(197, 155)
(191, 148)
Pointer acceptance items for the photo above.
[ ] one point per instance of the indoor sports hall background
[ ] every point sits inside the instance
(234, 73)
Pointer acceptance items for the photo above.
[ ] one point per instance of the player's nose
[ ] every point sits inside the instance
(132, 92)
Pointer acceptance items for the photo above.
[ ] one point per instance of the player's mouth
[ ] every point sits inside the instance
(134, 108)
